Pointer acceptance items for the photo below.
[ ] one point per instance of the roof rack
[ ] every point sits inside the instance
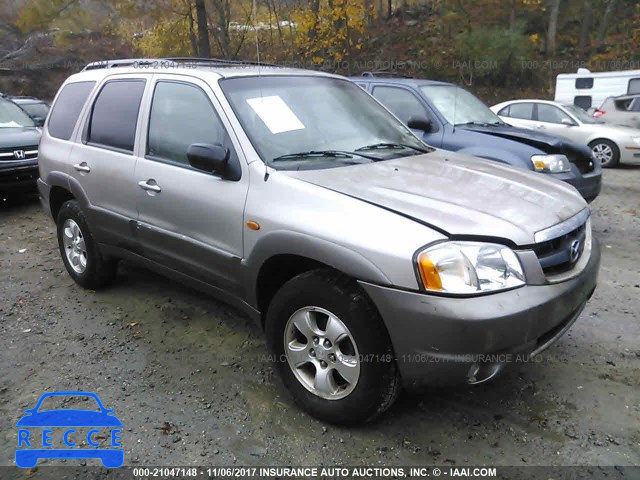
(150, 62)
(220, 61)
(383, 73)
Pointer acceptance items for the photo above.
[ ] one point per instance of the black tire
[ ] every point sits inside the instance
(604, 144)
(378, 383)
(100, 270)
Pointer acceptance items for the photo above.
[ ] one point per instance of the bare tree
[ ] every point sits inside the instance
(587, 21)
(553, 26)
(204, 49)
(606, 19)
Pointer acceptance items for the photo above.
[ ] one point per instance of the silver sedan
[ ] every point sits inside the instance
(610, 143)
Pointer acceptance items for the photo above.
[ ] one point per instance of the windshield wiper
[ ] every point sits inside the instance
(312, 154)
(322, 153)
(475, 122)
(391, 146)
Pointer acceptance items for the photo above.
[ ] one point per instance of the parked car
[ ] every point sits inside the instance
(610, 143)
(35, 108)
(371, 260)
(19, 139)
(623, 110)
(447, 116)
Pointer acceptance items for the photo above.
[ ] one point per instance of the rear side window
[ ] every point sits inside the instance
(523, 111)
(64, 116)
(584, 83)
(115, 114)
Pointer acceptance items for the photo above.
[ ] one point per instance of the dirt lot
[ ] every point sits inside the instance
(186, 376)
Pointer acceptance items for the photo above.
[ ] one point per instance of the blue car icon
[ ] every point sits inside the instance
(27, 457)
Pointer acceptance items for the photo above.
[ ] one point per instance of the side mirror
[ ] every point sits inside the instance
(38, 121)
(568, 122)
(209, 158)
(420, 123)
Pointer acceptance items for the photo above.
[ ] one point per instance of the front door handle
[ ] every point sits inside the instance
(82, 167)
(151, 187)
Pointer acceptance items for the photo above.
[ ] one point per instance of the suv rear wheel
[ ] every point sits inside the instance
(331, 348)
(80, 253)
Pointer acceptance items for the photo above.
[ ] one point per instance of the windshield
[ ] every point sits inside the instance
(12, 116)
(458, 106)
(38, 110)
(320, 122)
(581, 115)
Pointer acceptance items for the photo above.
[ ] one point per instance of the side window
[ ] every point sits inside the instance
(64, 115)
(181, 114)
(401, 102)
(523, 111)
(551, 114)
(583, 101)
(634, 86)
(115, 114)
(584, 83)
(634, 106)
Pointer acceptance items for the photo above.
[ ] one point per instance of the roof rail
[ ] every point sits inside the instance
(123, 62)
(219, 61)
(383, 73)
(150, 62)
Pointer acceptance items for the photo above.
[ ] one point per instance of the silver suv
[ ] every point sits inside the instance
(371, 260)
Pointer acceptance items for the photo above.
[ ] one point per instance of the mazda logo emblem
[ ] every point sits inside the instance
(574, 251)
(19, 154)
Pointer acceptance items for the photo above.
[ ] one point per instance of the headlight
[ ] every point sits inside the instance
(636, 140)
(550, 163)
(469, 267)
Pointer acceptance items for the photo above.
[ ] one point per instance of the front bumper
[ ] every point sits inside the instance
(587, 184)
(444, 340)
(18, 176)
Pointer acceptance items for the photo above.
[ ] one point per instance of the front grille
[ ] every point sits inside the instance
(19, 153)
(560, 254)
(584, 164)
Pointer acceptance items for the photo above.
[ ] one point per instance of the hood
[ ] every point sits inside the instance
(457, 194)
(543, 141)
(19, 137)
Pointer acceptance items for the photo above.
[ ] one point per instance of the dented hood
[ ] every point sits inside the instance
(457, 194)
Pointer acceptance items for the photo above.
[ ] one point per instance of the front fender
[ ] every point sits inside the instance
(283, 242)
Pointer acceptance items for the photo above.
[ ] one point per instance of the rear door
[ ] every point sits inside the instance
(519, 114)
(104, 162)
(189, 220)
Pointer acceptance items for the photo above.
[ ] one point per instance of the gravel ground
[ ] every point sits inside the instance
(187, 377)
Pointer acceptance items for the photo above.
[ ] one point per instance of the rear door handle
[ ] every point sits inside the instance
(152, 187)
(82, 167)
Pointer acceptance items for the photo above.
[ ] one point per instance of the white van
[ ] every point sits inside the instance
(586, 89)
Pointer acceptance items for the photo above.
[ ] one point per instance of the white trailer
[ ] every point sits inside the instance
(586, 89)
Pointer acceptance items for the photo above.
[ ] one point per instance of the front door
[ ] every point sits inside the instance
(189, 220)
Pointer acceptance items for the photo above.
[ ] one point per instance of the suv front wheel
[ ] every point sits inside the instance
(80, 252)
(331, 348)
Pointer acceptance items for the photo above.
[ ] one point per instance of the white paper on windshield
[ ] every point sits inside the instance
(275, 114)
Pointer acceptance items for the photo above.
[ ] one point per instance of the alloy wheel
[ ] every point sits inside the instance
(322, 353)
